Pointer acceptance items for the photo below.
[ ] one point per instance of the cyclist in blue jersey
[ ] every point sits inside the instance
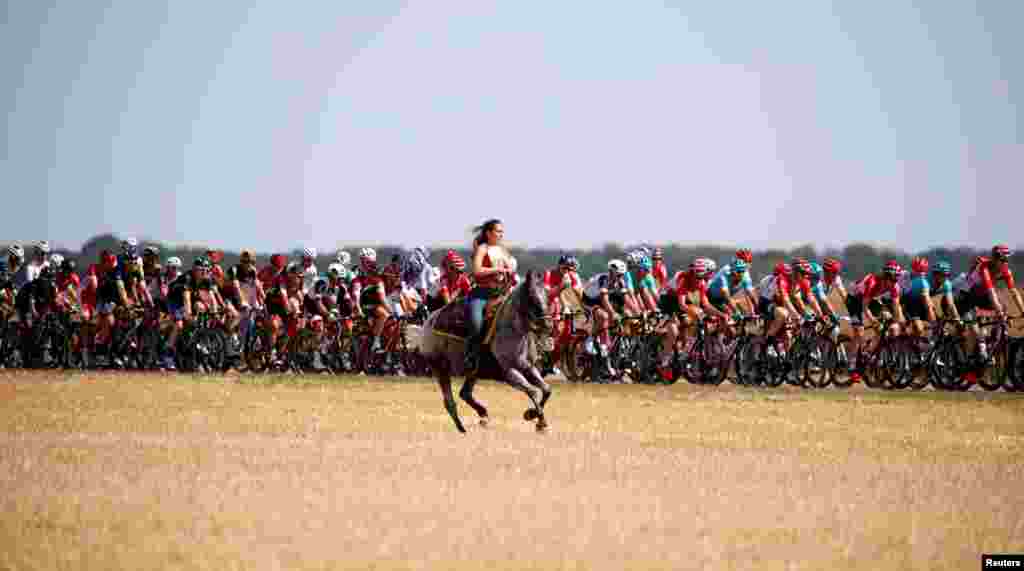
(645, 286)
(727, 283)
(942, 285)
(916, 296)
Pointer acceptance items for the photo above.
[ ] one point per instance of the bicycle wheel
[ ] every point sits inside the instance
(995, 376)
(257, 353)
(902, 369)
(210, 347)
(576, 362)
(746, 363)
(1015, 364)
(948, 363)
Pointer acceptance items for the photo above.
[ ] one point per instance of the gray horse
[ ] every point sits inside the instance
(507, 359)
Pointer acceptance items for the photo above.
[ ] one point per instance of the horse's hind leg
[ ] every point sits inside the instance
(466, 394)
(444, 379)
(537, 380)
(517, 380)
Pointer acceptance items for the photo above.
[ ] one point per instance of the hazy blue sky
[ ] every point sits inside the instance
(274, 124)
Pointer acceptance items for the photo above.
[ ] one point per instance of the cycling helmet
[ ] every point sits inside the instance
(739, 266)
(746, 255)
(801, 266)
(42, 247)
(152, 251)
(892, 269)
(309, 252)
(55, 260)
(320, 286)
(644, 263)
(46, 273)
(454, 261)
(279, 261)
(816, 270)
(68, 266)
(16, 251)
(783, 269)
(711, 265)
(343, 257)
(919, 265)
(1001, 253)
(568, 260)
(295, 269)
(202, 263)
(699, 267)
(944, 268)
(658, 254)
(832, 266)
(246, 257)
(617, 267)
(129, 247)
(173, 262)
(367, 255)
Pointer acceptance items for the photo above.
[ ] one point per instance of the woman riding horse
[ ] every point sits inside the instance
(492, 274)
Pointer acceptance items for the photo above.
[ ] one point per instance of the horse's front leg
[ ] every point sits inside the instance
(517, 380)
(537, 380)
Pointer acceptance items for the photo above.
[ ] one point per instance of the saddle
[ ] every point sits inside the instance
(451, 319)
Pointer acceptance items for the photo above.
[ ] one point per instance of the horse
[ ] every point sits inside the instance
(507, 358)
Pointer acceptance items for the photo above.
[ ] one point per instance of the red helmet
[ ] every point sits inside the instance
(919, 265)
(279, 261)
(215, 256)
(782, 268)
(892, 269)
(832, 265)
(746, 255)
(1001, 253)
(454, 261)
(699, 267)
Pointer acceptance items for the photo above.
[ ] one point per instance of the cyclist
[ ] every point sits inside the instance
(609, 295)
(775, 305)
(7, 293)
(977, 290)
(369, 292)
(273, 273)
(916, 297)
(943, 285)
(862, 302)
(729, 281)
(37, 298)
(557, 280)
(645, 287)
(153, 274)
(451, 284)
(309, 271)
(688, 299)
(68, 282)
(189, 293)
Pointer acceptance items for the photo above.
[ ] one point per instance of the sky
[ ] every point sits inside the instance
(274, 125)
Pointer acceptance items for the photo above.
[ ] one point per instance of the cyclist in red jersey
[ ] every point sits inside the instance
(273, 274)
(979, 291)
(557, 280)
(863, 302)
(452, 283)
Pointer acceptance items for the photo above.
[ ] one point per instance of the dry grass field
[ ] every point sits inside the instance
(176, 472)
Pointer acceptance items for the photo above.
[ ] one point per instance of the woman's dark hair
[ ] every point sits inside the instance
(482, 230)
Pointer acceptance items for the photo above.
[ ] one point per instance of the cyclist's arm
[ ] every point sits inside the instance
(606, 303)
(186, 298)
(122, 293)
(708, 308)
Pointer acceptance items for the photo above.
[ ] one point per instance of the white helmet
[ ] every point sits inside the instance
(617, 267)
(55, 260)
(368, 254)
(173, 262)
(16, 251)
(344, 257)
(710, 264)
(309, 252)
(42, 247)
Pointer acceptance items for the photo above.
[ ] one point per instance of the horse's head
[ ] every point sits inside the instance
(533, 303)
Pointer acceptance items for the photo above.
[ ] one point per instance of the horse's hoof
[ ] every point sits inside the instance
(542, 427)
(530, 415)
(485, 422)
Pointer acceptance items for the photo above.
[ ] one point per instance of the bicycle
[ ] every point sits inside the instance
(202, 345)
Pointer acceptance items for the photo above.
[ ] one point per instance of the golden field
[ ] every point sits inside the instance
(109, 471)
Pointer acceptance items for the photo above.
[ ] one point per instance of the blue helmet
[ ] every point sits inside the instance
(739, 266)
(944, 268)
(816, 270)
(644, 263)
